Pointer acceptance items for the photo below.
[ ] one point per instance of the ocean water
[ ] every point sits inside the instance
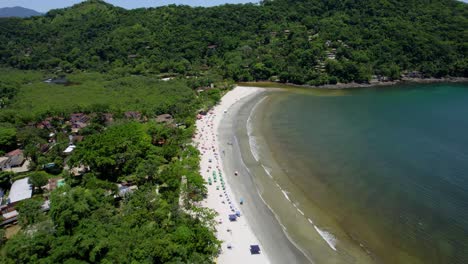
(383, 171)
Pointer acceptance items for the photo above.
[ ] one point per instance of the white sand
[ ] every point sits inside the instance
(238, 233)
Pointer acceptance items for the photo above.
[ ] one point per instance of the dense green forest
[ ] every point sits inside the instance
(302, 41)
(90, 221)
(86, 224)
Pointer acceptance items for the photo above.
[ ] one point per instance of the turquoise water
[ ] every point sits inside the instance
(390, 165)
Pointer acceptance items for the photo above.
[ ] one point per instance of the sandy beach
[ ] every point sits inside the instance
(237, 236)
(220, 162)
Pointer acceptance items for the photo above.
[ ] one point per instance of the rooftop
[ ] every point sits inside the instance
(164, 118)
(20, 190)
(14, 153)
(69, 149)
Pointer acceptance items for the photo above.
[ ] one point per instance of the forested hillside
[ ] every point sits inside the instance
(301, 41)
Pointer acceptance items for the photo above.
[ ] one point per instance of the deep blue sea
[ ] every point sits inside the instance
(394, 163)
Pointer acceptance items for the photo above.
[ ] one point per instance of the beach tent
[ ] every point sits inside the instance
(254, 249)
(232, 217)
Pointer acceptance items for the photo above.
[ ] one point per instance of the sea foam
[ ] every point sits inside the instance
(268, 171)
(253, 142)
(285, 195)
(328, 237)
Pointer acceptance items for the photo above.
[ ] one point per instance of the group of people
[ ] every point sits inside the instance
(212, 170)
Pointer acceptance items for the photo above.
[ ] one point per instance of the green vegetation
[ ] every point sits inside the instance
(86, 224)
(93, 92)
(38, 179)
(90, 220)
(7, 137)
(85, 227)
(306, 41)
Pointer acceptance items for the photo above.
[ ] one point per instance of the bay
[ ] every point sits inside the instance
(383, 168)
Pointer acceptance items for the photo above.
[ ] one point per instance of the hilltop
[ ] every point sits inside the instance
(302, 42)
(18, 11)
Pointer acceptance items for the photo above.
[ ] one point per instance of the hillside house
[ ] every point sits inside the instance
(79, 117)
(76, 139)
(164, 118)
(14, 160)
(133, 115)
(69, 149)
(79, 171)
(45, 124)
(53, 184)
(108, 118)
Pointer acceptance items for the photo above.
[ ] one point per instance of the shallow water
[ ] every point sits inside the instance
(382, 171)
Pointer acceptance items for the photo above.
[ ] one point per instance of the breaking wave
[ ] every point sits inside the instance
(253, 142)
(328, 237)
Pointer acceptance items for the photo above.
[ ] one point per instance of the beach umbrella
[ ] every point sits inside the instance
(232, 217)
(254, 249)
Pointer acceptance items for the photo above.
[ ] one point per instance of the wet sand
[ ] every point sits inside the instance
(275, 242)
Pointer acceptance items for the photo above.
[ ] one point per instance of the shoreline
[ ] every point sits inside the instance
(275, 236)
(276, 213)
(269, 216)
(354, 85)
(307, 227)
(236, 236)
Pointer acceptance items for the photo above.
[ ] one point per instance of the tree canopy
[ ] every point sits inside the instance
(290, 41)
